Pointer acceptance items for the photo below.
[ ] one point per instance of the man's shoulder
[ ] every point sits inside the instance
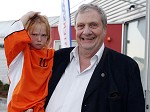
(117, 56)
(63, 51)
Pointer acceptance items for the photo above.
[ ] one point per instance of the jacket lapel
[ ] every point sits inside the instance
(99, 75)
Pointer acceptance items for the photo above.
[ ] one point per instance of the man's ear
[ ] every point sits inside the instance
(75, 27)
(105, 31)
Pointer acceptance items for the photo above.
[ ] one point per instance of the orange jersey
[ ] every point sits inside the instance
(29, 71)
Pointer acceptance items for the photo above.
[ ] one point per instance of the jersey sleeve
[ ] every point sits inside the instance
(15, 41)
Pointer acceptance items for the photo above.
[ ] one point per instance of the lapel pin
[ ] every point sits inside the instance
(102, 75)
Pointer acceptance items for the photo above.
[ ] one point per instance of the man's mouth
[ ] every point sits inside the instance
(88, 38)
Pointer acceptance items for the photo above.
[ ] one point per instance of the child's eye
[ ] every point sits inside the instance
(44, 35)
(33, 34)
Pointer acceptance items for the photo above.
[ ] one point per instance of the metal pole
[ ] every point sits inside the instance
(147, 56)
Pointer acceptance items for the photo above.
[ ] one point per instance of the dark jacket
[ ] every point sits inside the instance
(115, 85)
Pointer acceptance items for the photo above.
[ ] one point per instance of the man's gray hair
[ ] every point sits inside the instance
(84, 7)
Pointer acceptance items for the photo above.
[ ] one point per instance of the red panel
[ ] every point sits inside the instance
(112, 40)
(113, 37)
(55, 34)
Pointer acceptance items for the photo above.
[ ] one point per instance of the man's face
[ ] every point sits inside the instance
(90, 32)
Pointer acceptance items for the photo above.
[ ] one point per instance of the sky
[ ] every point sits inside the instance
(15, 9)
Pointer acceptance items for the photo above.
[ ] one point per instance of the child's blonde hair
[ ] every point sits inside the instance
(39, 19)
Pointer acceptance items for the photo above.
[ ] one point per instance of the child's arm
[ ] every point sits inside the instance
(15, 40)
(16, 37)
(24, 19)
(29, 110)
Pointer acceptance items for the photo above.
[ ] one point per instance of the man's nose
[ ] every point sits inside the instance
(87, 30)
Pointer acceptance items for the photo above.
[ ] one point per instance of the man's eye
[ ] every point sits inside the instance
(80, 27)
(93, 25)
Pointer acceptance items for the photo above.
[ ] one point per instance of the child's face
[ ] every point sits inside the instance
(38, 36)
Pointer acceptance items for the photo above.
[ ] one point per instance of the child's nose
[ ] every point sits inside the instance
(39, 37)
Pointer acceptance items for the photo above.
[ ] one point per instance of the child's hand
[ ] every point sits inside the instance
(24, 19)
(29, 110)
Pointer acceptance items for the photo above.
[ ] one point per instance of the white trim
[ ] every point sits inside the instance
(14, 73)
(16, 26)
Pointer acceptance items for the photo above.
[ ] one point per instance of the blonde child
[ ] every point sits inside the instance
(29, 62)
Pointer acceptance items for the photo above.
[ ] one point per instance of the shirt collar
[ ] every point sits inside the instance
(100, 52)
(74, 53)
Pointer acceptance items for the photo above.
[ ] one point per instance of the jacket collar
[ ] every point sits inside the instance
(102, 73)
